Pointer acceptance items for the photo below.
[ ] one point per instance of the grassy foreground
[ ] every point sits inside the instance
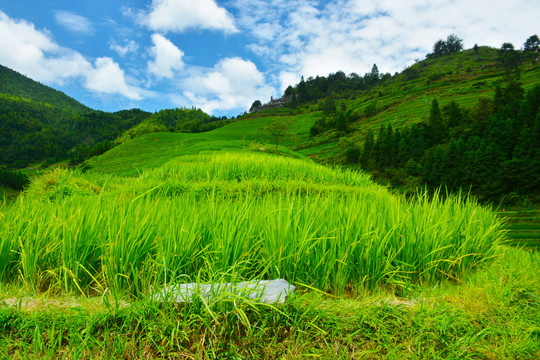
(377, 275)
(492, 314)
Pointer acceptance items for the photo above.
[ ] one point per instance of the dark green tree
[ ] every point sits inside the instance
(509, 59)
(329, 106)
(367, 150)
(256, 104)
(439, 48)
(302, 91)
(532, 44)
(453, 44)
(436, 125)
(278, 128)
(294, 99)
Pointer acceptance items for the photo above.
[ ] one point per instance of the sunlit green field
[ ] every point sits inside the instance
(253, 215)
(376, 275)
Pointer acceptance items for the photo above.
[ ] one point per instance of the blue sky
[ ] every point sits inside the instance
(222, 55)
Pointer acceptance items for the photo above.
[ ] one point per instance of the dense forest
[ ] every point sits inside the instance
(493, 148)
(40, 125)
(177, 120)
(32, 132)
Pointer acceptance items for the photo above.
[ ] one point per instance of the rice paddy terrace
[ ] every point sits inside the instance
(81, 255)
(378, 276)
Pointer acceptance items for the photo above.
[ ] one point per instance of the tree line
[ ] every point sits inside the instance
(493, 148)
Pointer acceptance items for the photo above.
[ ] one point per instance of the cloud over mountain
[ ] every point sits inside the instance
(167, 57)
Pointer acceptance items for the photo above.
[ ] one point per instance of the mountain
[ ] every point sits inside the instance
(40, 125)
(17, 85)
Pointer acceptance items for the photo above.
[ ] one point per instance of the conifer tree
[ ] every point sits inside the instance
(436, 124)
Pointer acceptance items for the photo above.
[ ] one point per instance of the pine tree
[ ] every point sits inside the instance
(294, 100)
(302, 91)
(367, 151)
(436, 125)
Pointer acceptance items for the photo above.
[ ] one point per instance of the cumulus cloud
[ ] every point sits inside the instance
(315, 38)
(73, 22)
(34, 53)
(232, 83)
(108, 78)
(180, 15)
(127, 47)
(167, 57)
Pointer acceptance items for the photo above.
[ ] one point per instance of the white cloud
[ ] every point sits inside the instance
(108, 78)
(233, 83)
(129, 46)
(74, 22)
(180, 15)
(167, 57)
(35, 54)
(311, 38)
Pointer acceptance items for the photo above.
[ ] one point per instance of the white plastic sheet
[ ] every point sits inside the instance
(267, 291)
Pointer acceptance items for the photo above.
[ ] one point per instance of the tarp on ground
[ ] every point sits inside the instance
(267, 291)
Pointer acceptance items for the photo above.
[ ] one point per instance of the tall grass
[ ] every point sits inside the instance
(333, 244)
(247, 215)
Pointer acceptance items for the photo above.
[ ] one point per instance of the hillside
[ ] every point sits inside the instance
(41, 126)
(384, 123)
(154, 149)
(84, 251)
(17, 85)
(401, 99)
(34, 133)
(336, 114)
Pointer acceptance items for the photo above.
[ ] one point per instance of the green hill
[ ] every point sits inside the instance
(84, 253)
(20, 86)
(40, 125)
(404, 98)
(384, 123)
(154, 149)
(337, 113)
(331, 120)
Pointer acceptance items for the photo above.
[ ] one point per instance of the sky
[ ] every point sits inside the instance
(221, 56)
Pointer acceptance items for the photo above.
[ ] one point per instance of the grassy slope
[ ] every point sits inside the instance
(152, 150)
(490, 313)
(462, 77)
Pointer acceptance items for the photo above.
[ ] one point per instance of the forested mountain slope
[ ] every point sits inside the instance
(455, 120)
(18, 85)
